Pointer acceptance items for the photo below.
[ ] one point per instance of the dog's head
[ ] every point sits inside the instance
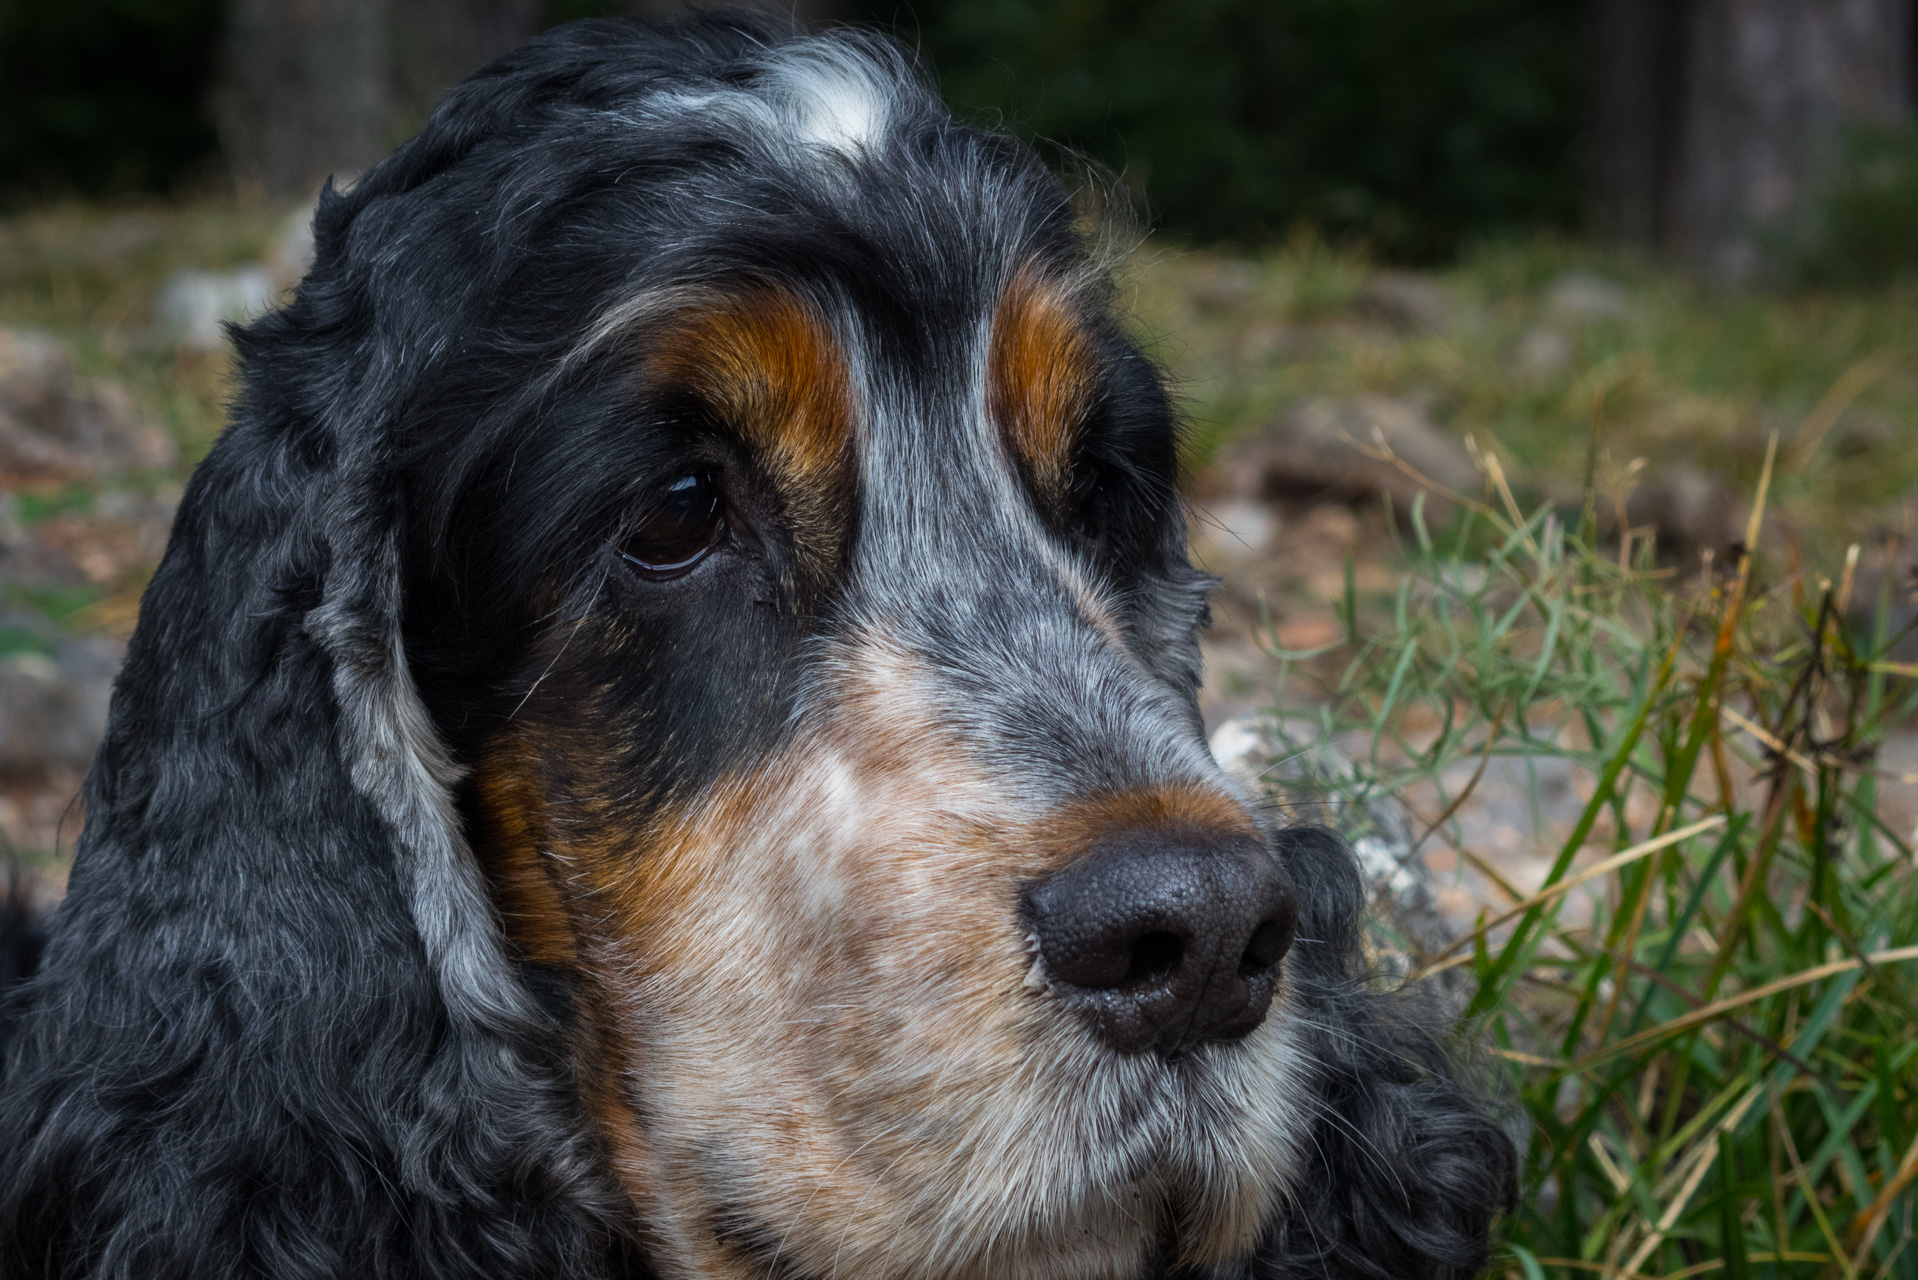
(744, 549)
(795, 563)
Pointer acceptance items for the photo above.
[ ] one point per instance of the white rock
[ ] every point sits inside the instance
(1543, 351)
(1237, 527)
(194, 304)
(1238, 745)
(1583, 297)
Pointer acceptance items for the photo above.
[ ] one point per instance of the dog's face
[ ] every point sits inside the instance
(830, 724)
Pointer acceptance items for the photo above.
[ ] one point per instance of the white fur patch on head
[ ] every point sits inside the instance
(834, 94)
(831, 94)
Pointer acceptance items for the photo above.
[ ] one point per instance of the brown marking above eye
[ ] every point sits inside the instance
(1041, 377)
(766, 364)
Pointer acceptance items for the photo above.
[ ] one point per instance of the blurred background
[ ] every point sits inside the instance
(1748, 136)
(1551, 376)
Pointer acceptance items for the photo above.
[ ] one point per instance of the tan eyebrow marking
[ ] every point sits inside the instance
(1041, 376)
(767, 363)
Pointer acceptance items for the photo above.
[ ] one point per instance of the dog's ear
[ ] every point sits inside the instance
(1406, 1169)
(277, 981)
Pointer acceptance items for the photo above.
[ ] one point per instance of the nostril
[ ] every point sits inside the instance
(1154, 957)
(1267, 946)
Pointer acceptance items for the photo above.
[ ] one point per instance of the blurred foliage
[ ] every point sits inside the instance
(1867, 224)
(91, 276)
(1410, 127)
(558, 11)
(103, 97)
(1519, 338)
(1407, 126)
(111, 97)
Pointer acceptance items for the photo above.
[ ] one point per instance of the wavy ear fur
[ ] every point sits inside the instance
(1407, 1171)
(276, 982)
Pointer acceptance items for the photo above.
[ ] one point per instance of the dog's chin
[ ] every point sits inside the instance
(1110, 1171)
(1131, 1232)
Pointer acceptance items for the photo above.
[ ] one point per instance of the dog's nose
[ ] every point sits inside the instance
(1163, 939)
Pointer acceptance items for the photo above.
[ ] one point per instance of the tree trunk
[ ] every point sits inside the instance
(307, 92)
(316, 87)
(1768, 87)
(1631, 49)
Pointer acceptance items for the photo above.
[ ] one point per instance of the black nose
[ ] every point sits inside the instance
(1162, 939)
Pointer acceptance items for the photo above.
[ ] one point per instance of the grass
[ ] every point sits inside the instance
(1508, 349)
(1719, 1063)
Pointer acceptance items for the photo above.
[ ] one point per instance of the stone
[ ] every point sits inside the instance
(1692, 509)
(1585, 297)
(1409, 301)
(292, 252)
(56, 426)
(1542, 352)
(1234, 529)
(1230, 284)
(196, 306)
(53, 709)
(1316, 452)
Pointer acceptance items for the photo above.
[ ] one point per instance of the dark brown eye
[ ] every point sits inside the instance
(685, 524)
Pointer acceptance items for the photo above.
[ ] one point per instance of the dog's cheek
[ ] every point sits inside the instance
(507, 836)
(806, 998)
(545, 886)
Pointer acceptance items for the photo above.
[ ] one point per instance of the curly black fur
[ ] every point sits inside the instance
(271, 1035)
(23, 937)
(1411, 1170)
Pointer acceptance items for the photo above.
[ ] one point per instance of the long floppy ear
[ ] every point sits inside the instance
(276, 1030)
(1408, 1169)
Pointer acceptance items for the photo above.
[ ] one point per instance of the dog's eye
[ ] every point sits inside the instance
(1089, 520)
(679, 531)
(1092, 525)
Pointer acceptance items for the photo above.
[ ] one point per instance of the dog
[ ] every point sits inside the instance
(664, 743)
